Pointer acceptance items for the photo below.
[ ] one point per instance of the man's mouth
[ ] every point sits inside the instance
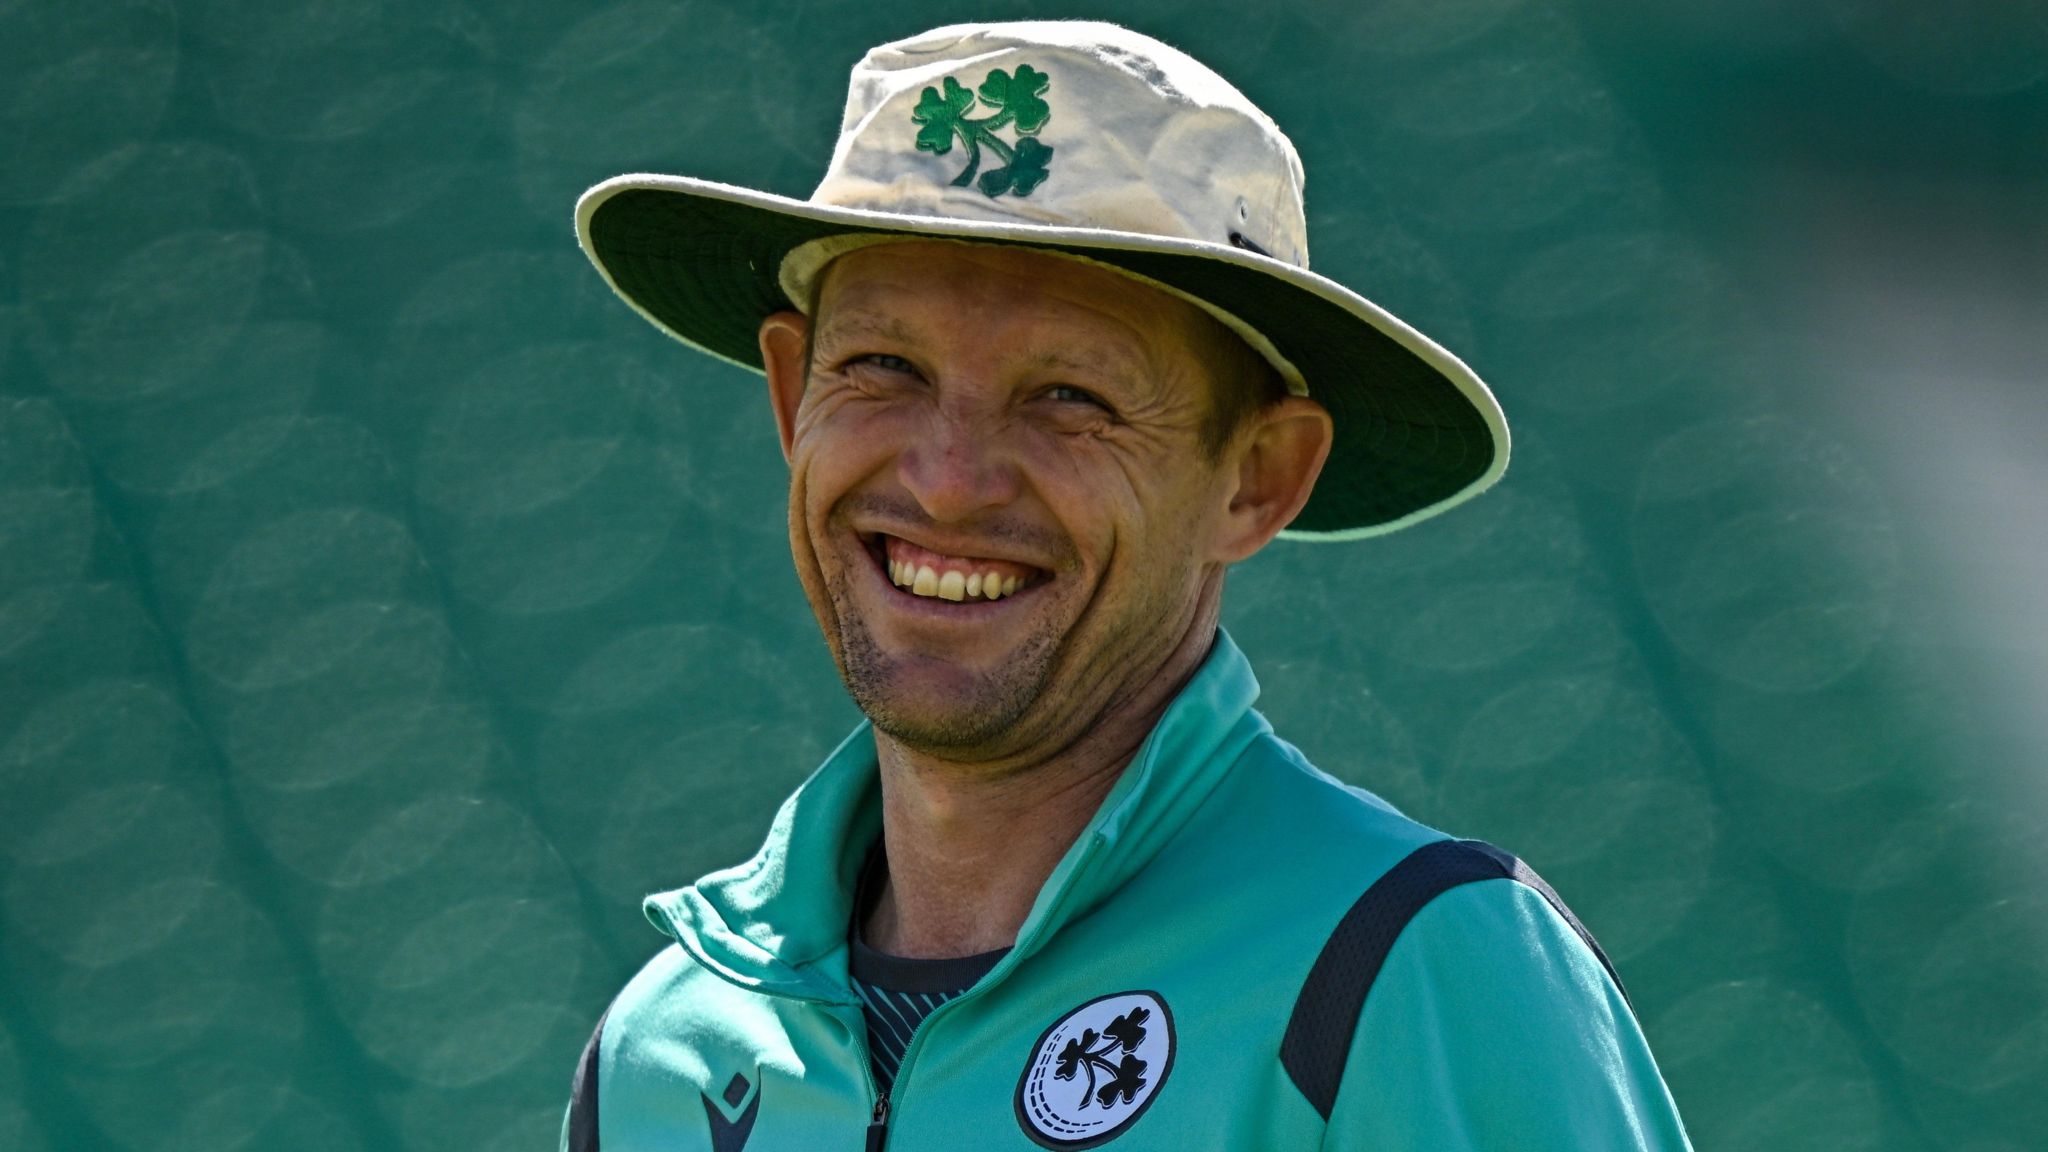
(920, 571)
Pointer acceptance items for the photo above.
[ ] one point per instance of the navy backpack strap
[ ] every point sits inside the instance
(1318, 1039)
(582, 1128)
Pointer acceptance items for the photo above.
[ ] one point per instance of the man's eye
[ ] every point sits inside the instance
(1068, 394)
(888, 363)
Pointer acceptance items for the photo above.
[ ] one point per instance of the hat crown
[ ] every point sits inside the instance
(1074, 124)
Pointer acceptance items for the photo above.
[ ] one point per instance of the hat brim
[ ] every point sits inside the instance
(1416, 432)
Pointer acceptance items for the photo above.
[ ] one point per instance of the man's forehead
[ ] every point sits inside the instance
(915, 293)
(857, 319)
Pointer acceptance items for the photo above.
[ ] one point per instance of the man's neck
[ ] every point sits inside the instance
(968, 851)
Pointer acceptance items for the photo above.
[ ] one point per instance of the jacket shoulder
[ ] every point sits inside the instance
(1495, 1022)
(1274, 856)
(1291, 808)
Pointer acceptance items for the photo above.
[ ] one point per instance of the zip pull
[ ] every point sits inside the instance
(878, 1124)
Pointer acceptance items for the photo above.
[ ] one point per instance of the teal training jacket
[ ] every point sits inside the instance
(1239, 952)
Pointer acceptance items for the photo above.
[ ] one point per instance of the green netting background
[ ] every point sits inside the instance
(384, 609)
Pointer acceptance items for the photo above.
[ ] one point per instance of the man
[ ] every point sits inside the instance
(1046, 359)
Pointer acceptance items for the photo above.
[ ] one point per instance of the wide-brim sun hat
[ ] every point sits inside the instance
(1099, 144)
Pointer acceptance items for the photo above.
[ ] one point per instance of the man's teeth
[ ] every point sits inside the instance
(924, 580)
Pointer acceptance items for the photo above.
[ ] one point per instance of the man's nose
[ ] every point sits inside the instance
(961, 466)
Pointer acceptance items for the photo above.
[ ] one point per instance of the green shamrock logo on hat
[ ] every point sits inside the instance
(1016, 100)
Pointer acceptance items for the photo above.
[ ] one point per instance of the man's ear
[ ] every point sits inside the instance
(782, 354)
(1276, 458)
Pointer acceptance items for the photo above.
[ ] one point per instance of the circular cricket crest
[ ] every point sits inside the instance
(1096, 1070)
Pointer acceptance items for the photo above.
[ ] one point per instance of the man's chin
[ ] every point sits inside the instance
(940, 707)
(959, 715)
(958, 704)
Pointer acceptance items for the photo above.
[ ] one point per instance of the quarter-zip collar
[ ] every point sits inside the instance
(777, 923)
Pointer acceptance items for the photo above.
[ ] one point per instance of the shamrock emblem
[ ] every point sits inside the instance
(1017, 101)
(1092, 1052)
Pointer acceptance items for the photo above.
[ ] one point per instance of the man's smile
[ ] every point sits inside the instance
(918, 571)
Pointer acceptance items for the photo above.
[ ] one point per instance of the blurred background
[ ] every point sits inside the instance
(384, 608)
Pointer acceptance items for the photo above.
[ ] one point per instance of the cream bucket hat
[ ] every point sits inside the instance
(1100, 144)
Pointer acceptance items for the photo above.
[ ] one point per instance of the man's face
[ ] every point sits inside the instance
(1000, 507)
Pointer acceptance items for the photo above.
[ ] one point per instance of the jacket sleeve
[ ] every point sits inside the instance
(1492, 1026)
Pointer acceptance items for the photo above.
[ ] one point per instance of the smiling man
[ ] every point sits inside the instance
(1046, 359)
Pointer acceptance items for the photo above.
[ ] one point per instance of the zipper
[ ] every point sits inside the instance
(878, 1118)
(878, 1124)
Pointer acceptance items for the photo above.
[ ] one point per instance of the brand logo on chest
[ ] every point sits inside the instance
(731, 1115)
(1096, 1070)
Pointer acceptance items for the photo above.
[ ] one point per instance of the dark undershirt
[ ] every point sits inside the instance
(897, 992)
